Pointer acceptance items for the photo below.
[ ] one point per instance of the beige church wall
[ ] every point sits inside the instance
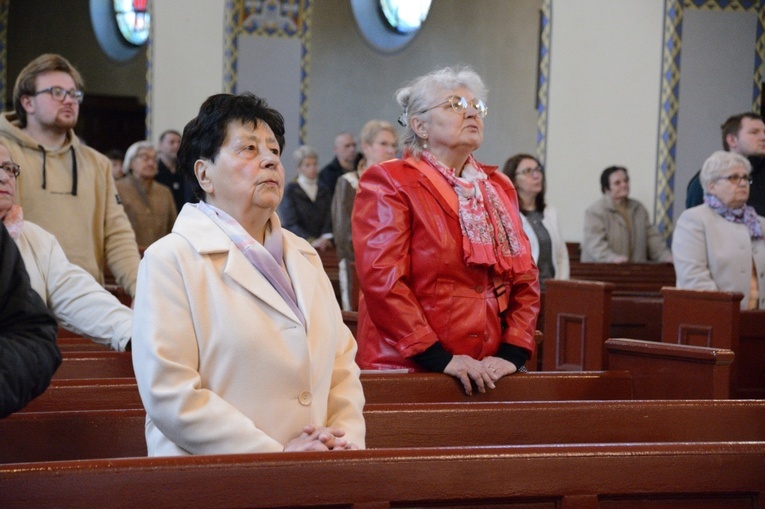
(351, 83)
(605, 73)
(187, 60)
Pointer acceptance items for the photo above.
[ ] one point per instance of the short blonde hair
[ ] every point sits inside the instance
(372, 128)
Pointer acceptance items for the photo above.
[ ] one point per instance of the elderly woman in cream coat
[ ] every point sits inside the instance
(719, 245)
(239, 343)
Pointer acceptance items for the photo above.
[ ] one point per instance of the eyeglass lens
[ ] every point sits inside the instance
(737, 179)
(460, 105)
(11, 169)
(59, 94)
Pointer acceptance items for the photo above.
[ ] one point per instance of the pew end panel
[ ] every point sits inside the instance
(577, 315)
(701, 317)
(667, 371)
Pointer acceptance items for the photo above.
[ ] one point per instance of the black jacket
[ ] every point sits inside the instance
(28, 352)
(303, 217)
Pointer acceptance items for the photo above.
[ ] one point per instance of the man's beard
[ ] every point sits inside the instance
(65, 124)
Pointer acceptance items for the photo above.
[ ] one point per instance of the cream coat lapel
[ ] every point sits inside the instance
(207, 238)
(302, 268)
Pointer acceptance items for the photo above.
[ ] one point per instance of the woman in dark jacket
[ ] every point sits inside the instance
(305, 208)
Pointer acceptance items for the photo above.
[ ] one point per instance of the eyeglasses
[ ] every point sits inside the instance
(143, 156)
(537, 170)
(736, 179)
(12, 169)
(460, 105)
(59, 94)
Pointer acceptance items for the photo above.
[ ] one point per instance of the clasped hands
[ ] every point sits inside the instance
(482, 373)
(320, 438)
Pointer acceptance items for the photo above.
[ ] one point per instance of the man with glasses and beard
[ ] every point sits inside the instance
(67, 187)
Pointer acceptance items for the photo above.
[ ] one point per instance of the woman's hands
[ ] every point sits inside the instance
(319, 438)
(483, 373)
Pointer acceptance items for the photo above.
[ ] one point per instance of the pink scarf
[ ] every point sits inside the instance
(490, 231)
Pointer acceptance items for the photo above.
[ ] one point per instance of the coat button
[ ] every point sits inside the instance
(478, 289)
(305, 398)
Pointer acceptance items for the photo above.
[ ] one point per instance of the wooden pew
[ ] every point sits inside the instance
(79, 344)
(332, 267)
(628, 277)
(672, 371)
(577, 317)
(379, 387)
(382, 388)
(636, 315)
(750, 378)
(87, 394)
(95, 364)
(711, 318)
(58, 436)
(570, 477)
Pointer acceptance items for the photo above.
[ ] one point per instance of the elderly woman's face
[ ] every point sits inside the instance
(7, 183)
(732, 187)
(309, 167)
(448, 130)
(618, 186)
(247, 171)
(382, 148)
(144, 164)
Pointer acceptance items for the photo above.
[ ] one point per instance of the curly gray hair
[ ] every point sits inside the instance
(420, 94)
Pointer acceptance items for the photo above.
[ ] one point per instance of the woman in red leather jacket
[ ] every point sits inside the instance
(447, 280)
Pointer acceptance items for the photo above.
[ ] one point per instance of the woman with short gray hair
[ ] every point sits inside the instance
(304, 210)
(447, 280)
(719, 245)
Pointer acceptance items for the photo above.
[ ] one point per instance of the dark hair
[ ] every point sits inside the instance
(605, 177)
(27, 79)
(166, 132)
(733, 126)
(510, 169)
(116, 154)
(205, 134)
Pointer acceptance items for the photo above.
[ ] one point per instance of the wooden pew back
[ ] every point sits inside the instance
(627, 277)
(55, 436)
(750, 374)
(582, 477)
(379, 387)
(672, 371)
(95, 364)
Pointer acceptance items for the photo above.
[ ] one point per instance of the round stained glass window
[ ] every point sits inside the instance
(133, 20)
(389, 25)
(405, 16)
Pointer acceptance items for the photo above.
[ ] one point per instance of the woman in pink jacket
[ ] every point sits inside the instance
(446, 274)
